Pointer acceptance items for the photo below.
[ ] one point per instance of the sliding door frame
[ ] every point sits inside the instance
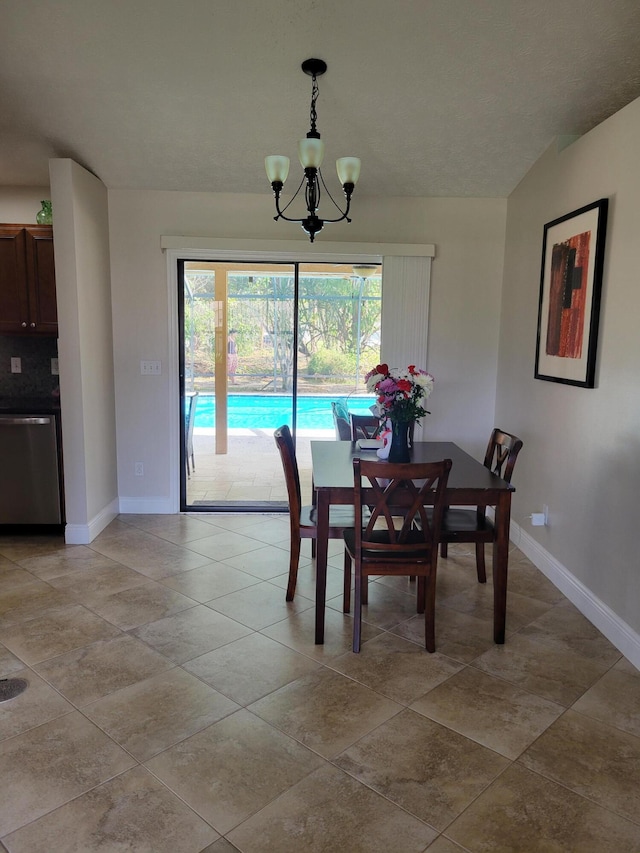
(264, 251)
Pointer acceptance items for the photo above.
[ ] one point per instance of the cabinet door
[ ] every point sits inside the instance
(14, 299)
(41, 278)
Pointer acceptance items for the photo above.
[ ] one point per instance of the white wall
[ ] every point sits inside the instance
(464, 313)
(581, 452)
(85, 347)
(20, 205)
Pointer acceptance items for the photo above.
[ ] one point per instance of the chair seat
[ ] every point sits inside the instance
(457, 524)
(420, 554)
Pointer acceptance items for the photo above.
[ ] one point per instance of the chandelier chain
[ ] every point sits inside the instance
(313, 115)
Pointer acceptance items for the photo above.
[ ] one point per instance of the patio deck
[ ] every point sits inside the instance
(250, 471)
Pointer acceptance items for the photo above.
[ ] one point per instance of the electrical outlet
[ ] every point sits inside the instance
(55, 370)
(150, 368)
(537, 519)
(139, 469)
(16, 364)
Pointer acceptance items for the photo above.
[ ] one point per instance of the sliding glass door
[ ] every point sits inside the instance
(263, 345)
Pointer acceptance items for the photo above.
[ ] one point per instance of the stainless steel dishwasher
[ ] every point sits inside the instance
(29, 470)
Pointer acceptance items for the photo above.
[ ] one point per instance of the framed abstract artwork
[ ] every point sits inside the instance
(570, 289)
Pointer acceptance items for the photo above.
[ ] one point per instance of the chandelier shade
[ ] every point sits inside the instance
(311, 154)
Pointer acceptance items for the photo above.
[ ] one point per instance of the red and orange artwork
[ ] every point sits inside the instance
(568, 296)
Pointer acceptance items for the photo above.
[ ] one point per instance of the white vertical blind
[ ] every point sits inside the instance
(405, 312)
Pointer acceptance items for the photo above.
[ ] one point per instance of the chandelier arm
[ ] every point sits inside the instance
(344, 215)
(291, 200)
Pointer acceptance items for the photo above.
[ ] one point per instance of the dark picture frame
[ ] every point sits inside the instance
(570, 293)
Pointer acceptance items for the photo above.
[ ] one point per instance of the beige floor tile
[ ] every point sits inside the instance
(566, 628)
(525, 579)
(624, 665)
(614, 699)
(478, 600)
(325, 711)
(179, 529)
(89, 585)
(147, 602)
(461, 636)
(232, 769)
(221, 846)
(259, 606)
(425, 768)
(386, 608)
(28, 601)
(265, 562)
(70, 559)
(57, 632)
(250, 668)
(298, 632)
(89, 673)
(542, 666)
(522, 811)
(224, 545)
(37, 704)
(330, 811)
(13, 576)
(491, 712)
(443, 845)
(52, 764)
(131, 812)
(18, 548)
(396, 668)
(152, 715)
(151, 556)
(593, 759)
(191, 633)
(210, 581)
(306, 581)
(9, 663)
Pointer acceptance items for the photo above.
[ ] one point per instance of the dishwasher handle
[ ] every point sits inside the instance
(23, 421)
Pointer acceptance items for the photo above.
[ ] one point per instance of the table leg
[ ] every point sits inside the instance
(501, 565)
(322, 509)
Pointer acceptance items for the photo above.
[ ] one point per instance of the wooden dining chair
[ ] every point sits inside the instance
(302, 519)
(473, 525)
(389, 541)
(363, 426)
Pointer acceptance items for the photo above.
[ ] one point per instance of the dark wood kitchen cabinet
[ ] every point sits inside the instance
(27, 281)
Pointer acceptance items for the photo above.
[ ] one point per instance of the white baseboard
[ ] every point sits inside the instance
(83, 534)
(623, 637)
(146, 506)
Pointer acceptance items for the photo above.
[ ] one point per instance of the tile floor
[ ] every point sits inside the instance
(177, 703)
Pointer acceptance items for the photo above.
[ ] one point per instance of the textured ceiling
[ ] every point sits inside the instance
(437, 97)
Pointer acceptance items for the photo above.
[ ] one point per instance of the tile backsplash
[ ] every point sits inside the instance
(36, 379)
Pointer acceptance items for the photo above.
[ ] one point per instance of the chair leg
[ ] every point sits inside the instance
(421, 594)
(429, 613)
(346, 596)
(313, 549)
(294, 559)
(480, 567)
(444, 549)
(365, 590)
(357, 612)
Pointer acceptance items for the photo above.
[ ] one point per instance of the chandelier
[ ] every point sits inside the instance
(311, 151)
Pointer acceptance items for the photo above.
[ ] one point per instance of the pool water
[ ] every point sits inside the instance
(269, 411)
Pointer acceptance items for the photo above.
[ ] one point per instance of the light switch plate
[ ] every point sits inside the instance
(150, 368)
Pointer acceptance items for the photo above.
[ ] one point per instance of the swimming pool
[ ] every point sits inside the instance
(269, 411)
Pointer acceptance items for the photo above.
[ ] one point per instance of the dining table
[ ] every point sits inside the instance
(470, 484)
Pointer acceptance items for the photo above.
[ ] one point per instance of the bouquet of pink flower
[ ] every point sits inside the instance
(399, 392)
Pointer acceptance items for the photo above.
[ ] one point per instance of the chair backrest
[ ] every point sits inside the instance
(502, 452)
(341, 424)
(284, 443)
(410, 495)
(363, 426)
